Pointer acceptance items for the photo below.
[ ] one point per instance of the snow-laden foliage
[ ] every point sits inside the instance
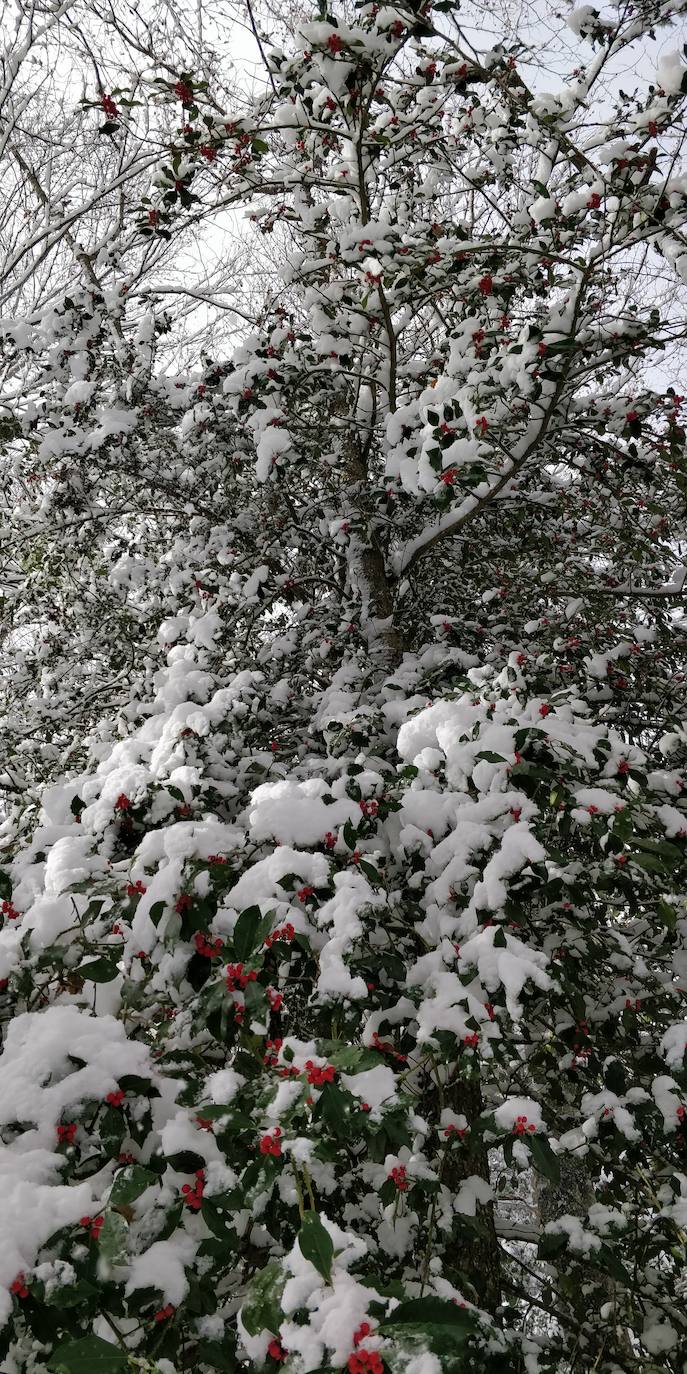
(343, 955)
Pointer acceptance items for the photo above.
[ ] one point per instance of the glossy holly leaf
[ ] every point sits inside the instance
(250, 931)
(113, 1238)
(129, 1184)
(98, 971)
(89, 1356)
(262, 1310)
(545, 1161)
(316, 1245)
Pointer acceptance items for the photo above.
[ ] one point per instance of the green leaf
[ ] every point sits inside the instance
(112, 1242)
(98, 971)
(155, 913)
(427, 1324)
(71, 1294)
(651, 862)
(352, 1058)
(545, 1161)
(615, 1077)
(129, 1184)
(250, 931)
(350, 836)
(136, 1083)
(316, 1245)
(262, 1309)
(608, 1260)
(552, 1243)
(89, 1356)
(332, 1107)
(667, 914)
(435, 1310)
(186, 1161)
(369, 871)
(216, 1355)
(489, 757)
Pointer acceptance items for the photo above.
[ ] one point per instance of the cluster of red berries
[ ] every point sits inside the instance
(305, 892)
(122, 803)
(460, 1131)
(318, 1076)
(369, 808)
(276, 1350)
(385, 1047)
(271, 1144)
(471, 1040)
(215, 858)
(94, 1224)
(109, 107)
(115, 1099)
(286, 933)
(398, 1176)
(364, 1330)
(10, 911)
(193, 1193)
(134, 888)
(522, 1125)
(272, 1056)
(164, 1313)
(183, 92)
(203, 946)
(236, 978)
(275, 999)
(183, 903)
(66, 1133)
(18, 1287)
(365, 1362)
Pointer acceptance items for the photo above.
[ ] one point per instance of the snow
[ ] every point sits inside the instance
(295, 813)
(376, 1087)
(39, 1086)
(508, 1112)
(424, 1363)
(659, 1336)
(510, 967)
(162, 1266)
(339, 916)
(542, 209)
(472, 1192)
(671, 72)
(582, 1242)
(583, 20)
(223, 1085)
(672, 1045)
